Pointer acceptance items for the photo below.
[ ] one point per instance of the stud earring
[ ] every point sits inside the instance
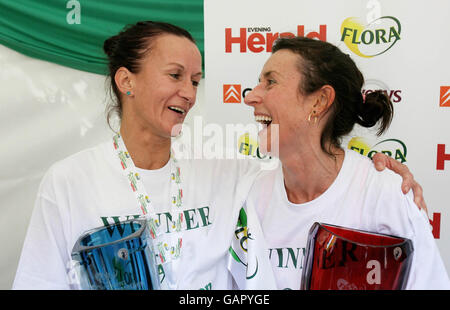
(128, 93)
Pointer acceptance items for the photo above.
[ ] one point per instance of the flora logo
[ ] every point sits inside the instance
(248, 146)
(232, 93)
(372, 39)
(391, 147)
(444, 98)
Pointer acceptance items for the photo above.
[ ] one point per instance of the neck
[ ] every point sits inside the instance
(147, 150)
(308, 175)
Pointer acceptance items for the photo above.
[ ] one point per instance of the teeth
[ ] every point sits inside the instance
(263, 119)
(177, 109)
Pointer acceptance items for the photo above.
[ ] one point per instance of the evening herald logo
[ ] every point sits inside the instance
(261, 39)
(372, 39)
(444, 98)
(232, 93)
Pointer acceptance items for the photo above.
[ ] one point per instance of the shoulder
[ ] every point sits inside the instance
(362, 168)
(77, 166)
(378, 192)
(381, 196)
(394, 211)
(83, 159)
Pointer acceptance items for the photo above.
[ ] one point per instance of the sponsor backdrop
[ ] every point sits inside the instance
(401, 48)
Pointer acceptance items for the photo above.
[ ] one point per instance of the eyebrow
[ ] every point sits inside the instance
(182, 68)
(267, 74)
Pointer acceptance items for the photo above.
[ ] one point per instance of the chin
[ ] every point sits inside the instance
(265, 141)
(263, 145)
(176, 130)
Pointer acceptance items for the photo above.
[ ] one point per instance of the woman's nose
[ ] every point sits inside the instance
(188, 92)
(253, 97)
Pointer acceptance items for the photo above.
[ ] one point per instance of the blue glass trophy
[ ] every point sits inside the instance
(117, 257)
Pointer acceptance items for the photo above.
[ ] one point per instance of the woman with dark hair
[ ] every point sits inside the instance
(311, 92)
(154, 69)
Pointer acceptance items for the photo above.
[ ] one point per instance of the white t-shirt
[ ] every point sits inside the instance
(359, 198)
(88, 190)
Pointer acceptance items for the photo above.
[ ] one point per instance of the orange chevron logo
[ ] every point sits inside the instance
(232, 93)
(444, 98)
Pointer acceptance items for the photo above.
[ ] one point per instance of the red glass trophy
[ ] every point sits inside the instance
(339, 258)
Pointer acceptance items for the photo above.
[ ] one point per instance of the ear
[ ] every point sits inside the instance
(323, 100)
(124, 80)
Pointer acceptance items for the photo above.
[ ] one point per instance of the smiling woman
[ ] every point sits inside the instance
(312, 91)
(155, 69)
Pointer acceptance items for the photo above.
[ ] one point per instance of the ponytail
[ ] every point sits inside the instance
(375, 107)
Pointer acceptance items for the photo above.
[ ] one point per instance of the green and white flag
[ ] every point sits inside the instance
(248, 260)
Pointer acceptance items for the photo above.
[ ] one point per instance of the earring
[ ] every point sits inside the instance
(128, 93)
(309, 116)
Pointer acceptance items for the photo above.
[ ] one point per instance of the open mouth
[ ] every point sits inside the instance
(177, 110)
(263, 119)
